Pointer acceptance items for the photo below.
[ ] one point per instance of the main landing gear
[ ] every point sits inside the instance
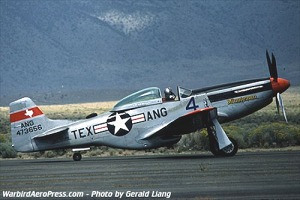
(227, 151)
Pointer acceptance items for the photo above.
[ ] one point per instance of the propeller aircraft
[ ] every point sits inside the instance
(146, 119)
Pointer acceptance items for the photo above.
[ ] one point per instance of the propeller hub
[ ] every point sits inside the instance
(279, 85)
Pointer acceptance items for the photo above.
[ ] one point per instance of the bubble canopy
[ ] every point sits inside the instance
(145, 97)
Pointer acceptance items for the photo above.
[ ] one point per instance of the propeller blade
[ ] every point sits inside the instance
(275, 74)
(272, 66)
(278, 96)
(277, 104)
(269, 62)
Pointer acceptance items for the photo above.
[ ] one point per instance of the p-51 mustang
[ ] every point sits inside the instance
(145, 120)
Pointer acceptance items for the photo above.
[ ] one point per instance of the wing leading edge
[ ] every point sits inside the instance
(191, 122)
(185, 124)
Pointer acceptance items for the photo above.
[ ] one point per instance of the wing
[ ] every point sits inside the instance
(191, 122)
(187, 123)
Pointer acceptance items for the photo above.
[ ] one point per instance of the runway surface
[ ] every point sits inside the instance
(252, 175)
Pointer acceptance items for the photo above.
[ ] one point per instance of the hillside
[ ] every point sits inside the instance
(84, 51)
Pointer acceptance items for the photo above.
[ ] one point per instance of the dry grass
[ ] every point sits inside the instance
(76, 111)
(73, 111)
(291, 100)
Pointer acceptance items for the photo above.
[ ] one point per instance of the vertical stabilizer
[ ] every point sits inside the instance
(27, 120)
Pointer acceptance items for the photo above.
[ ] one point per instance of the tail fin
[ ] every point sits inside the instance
(28, 124)
(27, 121)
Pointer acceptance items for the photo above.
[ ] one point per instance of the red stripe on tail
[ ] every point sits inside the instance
(25, 114)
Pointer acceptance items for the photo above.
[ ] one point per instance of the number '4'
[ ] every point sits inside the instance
(191, 104)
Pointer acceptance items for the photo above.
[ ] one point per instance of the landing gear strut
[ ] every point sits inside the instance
(230, 150)
(77, 156)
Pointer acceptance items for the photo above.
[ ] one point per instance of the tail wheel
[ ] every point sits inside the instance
(77, 156)
(228, 151)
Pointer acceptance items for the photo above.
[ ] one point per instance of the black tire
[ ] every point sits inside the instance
(230, 150)
(76, 156)
(227, 152)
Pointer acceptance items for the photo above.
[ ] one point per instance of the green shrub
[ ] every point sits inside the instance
(238, 133)
(274, 135)
(2, 138)
(51, 154)
(194, 141)
(7, 151)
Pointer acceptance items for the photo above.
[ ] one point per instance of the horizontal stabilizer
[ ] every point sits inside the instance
(52, 132)
(81, 149)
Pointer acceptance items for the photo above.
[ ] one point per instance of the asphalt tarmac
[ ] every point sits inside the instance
(248, 175)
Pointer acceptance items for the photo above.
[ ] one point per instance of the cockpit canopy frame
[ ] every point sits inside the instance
(141, 98)
(183, 92)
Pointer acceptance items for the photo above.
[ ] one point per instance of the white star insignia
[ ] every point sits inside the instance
(119, 123)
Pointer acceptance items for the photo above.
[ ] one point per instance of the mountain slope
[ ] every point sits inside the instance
(68, 52)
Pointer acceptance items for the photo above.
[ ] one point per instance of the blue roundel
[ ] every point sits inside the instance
(119, 123)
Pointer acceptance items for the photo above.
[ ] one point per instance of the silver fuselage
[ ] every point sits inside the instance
(232, 101)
